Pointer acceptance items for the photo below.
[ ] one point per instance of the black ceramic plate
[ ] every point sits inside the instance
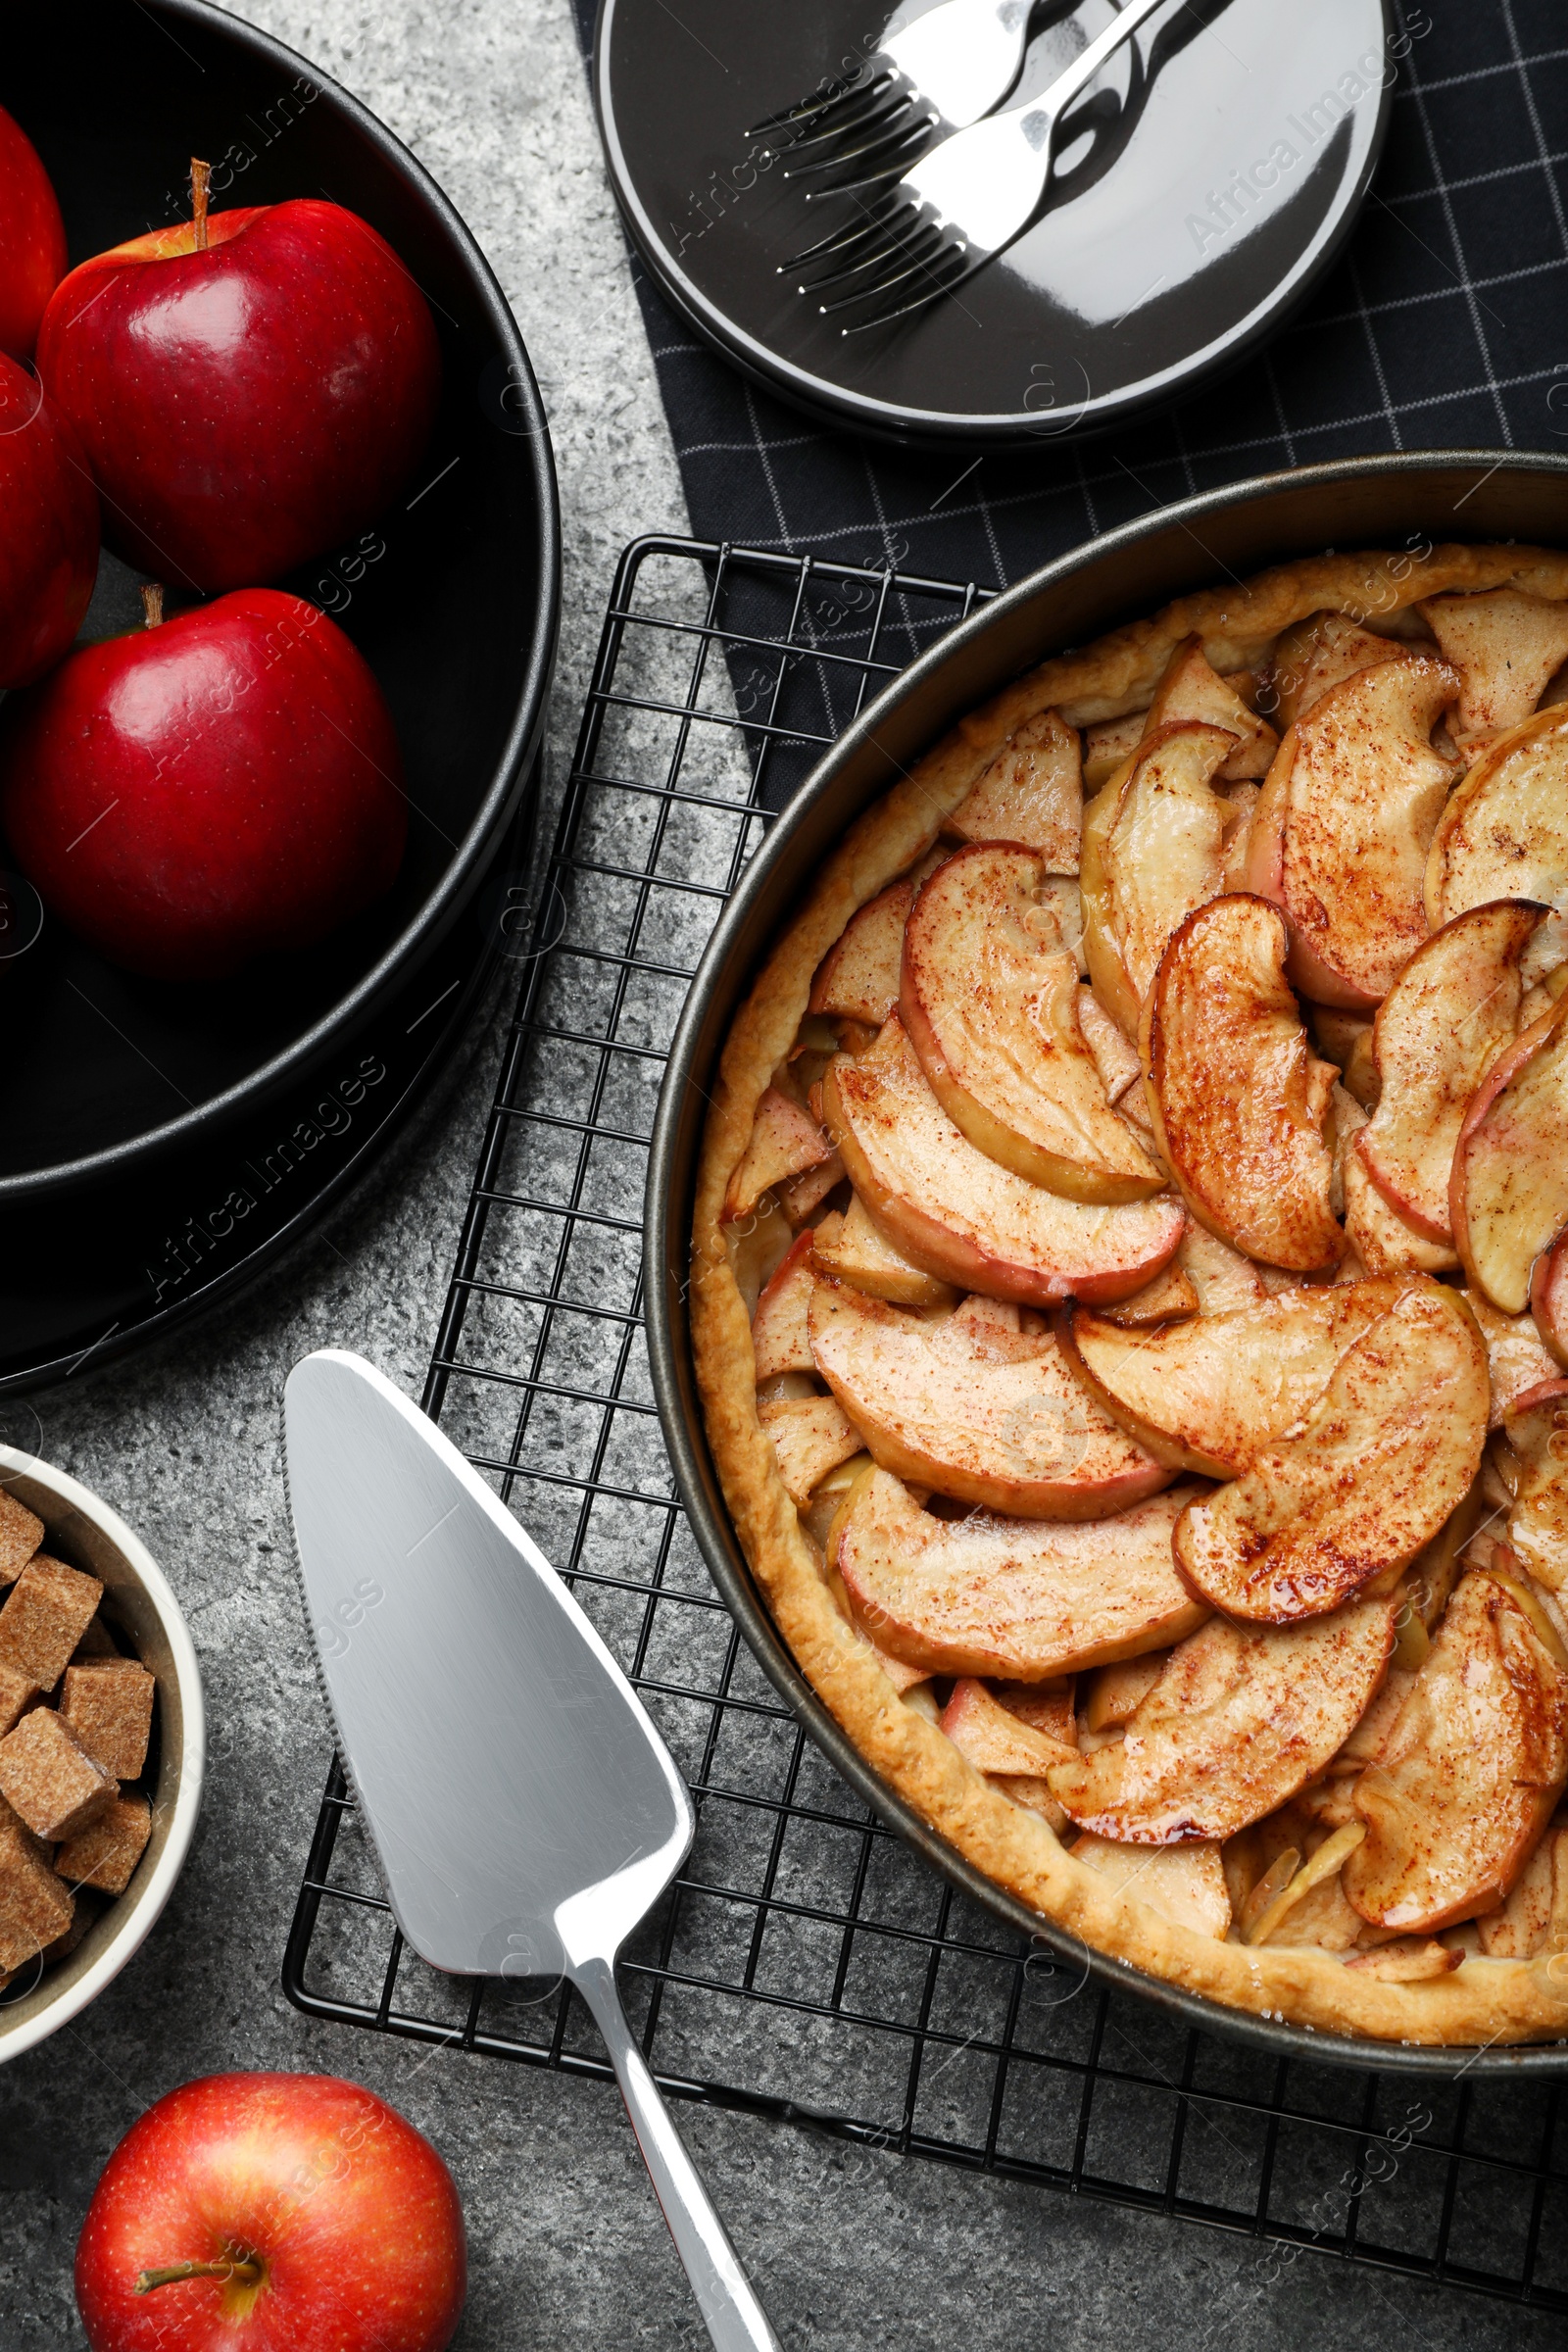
(1223, 156)
(1369, 502)
(123, 1102)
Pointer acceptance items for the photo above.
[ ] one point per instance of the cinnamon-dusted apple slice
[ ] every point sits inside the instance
(1515, 1357)
(1508, 1189)
(976, 1407)
(1392, 1447)
(1469, 1775)
(1522, 1925)
(1210, 1393)
(781, 1339)
(785, 1141)
(1151, 855)
(1503, 833)
(1506, 645)
(1171, 1298)
(1025, 1600)
(1191, 689)
(1239, 1100)
(1116, 1054)
(852, 1250)
(1380, 1237)
(1538, 1524)
(960, 1216)
(1241, 1719)
(995, 1739)
(810, 1436)
(1317, 655)
(990, 1005)
(1443, 1024)
(1108, 744)
(1221, 1276)
(1345, 1040)
(1548, 1298)
(857, 979)
(1184, 1883)
(1362, 792)
(1031, 793)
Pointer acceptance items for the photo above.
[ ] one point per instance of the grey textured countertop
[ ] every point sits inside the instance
(566, 2246)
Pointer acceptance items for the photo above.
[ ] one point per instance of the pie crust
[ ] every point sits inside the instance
(1484, 2000)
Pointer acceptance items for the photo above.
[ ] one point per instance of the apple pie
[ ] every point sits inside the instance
(1129, 1292)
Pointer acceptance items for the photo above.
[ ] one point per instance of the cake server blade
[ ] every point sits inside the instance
(525, 1811)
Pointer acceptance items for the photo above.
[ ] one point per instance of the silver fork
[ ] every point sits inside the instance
(952, 65)
(958, 205)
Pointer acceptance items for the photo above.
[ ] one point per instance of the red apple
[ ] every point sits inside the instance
(250, 390)
(48, 529)
(33, 240)
(207, 788)
(271, 2213)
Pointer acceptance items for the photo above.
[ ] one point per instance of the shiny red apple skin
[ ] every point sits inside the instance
(245, 407)
(48, 529)
(191, 796)
(351, 2210)
(33, 240)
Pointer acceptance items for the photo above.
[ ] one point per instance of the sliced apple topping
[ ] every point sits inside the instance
(857, 979)
(1381, 1239)
(810, 1436)
(1151, 855)
(1031, 793)
(781, 1339)
(1169, 1299)
(1239, 1100)
(1444, 1021)
(1317, 655)
(785, 1141)
(1209, 1395)
(981, 1412)
(1536, 1908)
(1022, 1599)
(1184, 1883)
(997, 1738)
(1548, 1298)
(990, 1004)
(958, 1215)
(1116, 1693)
(1515, 1357)
(1116, 1055)
(1506, 645)
(1241, 1719)
(1191, 689)
(1505, 831)
(1363, 789)
(1390, 1450)
(1108, 744)
(1538, 1523)
(1469, 1775)
(1345, 1040)
(1509, 1190)
(1221, 1276)
(850, 1248)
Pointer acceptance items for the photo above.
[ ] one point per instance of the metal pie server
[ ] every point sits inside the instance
(525, 1811)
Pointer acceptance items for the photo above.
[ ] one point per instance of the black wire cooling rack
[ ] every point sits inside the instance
(808, 1964)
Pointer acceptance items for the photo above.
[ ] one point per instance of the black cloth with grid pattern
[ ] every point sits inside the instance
(1444, 325)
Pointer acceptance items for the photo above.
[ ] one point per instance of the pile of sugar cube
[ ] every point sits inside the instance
(75, 1716)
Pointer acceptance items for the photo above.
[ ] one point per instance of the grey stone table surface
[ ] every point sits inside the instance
(566, 2246)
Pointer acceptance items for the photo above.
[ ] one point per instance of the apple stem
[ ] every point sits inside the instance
(152, 603)
(246, 2272)
(201, 180)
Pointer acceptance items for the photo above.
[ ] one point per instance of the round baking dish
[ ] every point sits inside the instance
(86, 1533)
(125, 1101)
(1388, 501)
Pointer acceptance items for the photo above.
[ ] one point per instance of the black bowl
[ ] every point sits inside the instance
(126, 1104)
(1372, 501)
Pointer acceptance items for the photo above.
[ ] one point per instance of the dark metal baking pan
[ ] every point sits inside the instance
(1374, 502)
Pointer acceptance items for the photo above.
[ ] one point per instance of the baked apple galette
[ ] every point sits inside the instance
(1130, 1293)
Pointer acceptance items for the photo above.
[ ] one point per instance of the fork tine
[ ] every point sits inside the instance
(922, 301)
(860, 114)
(893, 167)
(894, 246)
(891, 132)
(841, 239)
(921, 266)
(874, 288)
(804, 107)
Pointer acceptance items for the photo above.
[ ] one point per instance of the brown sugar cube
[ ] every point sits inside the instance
(88, 1908)
(18, 1691)
(47, 1610)
(21, 1534)
(47, 1780)
(108, 1708)
(96, 1643)
(105, 1854)
(34, 1906)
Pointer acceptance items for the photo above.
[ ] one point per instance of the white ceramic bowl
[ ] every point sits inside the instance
(88, 1534)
